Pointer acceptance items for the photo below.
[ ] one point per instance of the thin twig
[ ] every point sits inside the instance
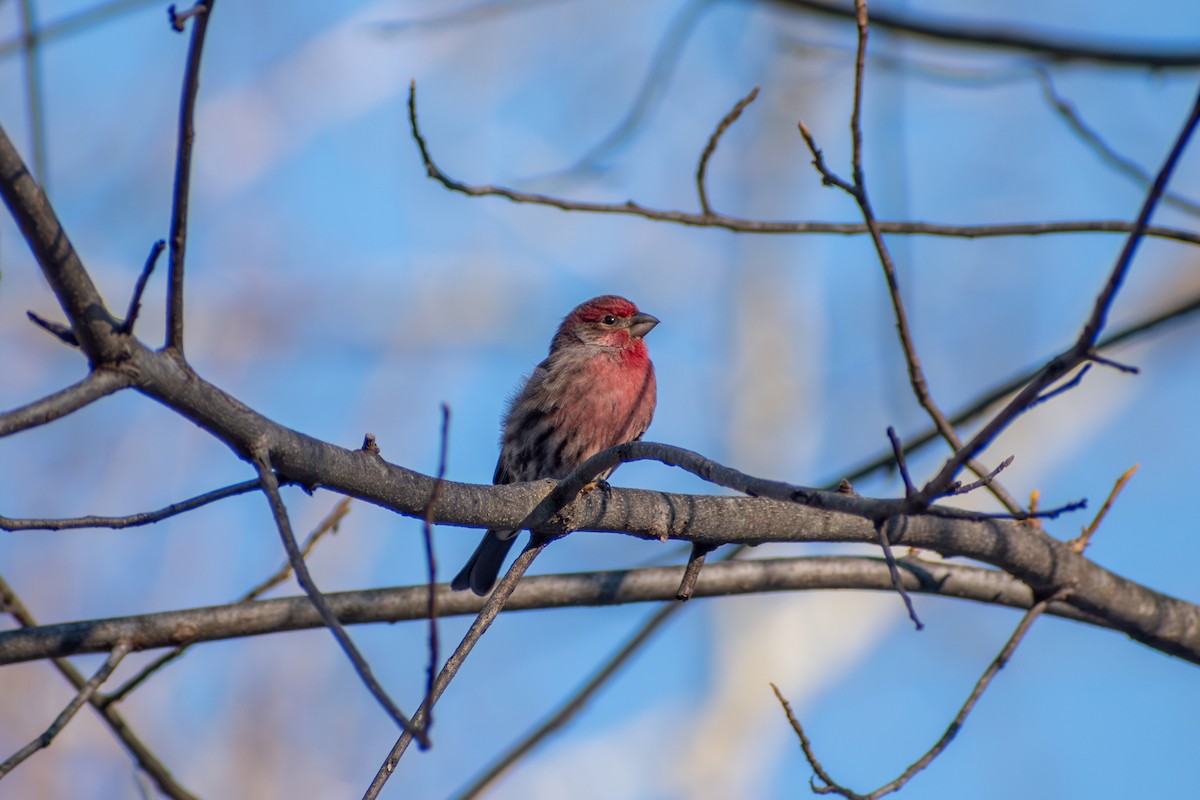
(575, 703)
(993, 396)
(1080, 543)
(98, 383)
(135, 302)
(165, 782)
(885, 544)
(711, 147)
(202, 12)
(132, 520)
(833, 787)
(64, 333)
(805, 744)
(771, 227)
(431, 562)
(1085, 345)
(491, 607)
(898, 454)
(82, 696)
(1056, 391)
(691, 573)
(270, 486)
(985, 480)
(1117, 365)
(1122, 164)
(326, 525)
(857, 189)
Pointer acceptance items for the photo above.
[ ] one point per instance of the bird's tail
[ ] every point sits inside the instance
(481, 569)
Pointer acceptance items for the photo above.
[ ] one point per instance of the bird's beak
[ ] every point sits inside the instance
(641, 324)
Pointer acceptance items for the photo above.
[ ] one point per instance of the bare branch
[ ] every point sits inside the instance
(63, 333)
(84, 695)
(857, 188)
(201, 11)
(589, 589)
(135, 302)
(711, 147)
(100, 383)
(833, 787)
(1084, 346)
(1124, 165)
(885, 544)
(577, 701)
(491, 607)
(431, 562)
(691, 572)
(737, 224)
(995, 35)
(77, 294)
(270, 486)
(326, 525)
(132, 520)
(990, 398)
(146, 761)
(1080, 543)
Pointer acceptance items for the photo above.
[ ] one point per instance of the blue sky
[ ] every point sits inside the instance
(334, 288)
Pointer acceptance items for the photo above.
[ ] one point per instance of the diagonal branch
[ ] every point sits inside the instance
(491, 607)
(1085, 345)
(96, 385)
(270, 487)
(830, 786)
(82, 696)
(146, 761)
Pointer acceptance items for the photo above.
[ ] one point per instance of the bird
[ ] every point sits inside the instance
(596, 389)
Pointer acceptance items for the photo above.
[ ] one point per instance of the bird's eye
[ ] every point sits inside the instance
(609, 319)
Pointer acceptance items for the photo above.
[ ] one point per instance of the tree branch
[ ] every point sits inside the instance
(100, 383)
(740, 225)
(996, 35)
(586, 589)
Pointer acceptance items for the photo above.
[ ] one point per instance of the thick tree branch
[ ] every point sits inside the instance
(77, 294)
(618, 587)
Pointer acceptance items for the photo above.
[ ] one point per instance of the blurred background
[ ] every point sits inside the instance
(334, 288)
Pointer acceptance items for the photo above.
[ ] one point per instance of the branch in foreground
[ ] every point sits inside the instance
(740, 225)
(619, 587)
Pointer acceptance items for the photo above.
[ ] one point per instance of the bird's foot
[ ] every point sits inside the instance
(599, 484)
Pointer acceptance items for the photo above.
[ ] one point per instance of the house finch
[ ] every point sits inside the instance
(594, 391)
